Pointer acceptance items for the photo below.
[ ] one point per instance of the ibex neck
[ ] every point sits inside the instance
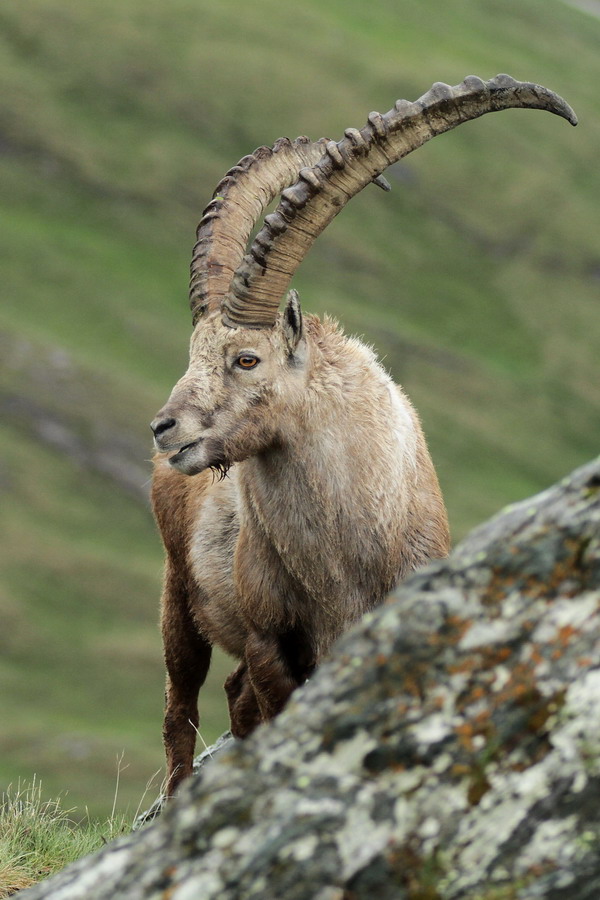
(327, 497)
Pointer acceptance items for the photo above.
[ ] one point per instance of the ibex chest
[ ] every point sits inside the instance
(246, 577)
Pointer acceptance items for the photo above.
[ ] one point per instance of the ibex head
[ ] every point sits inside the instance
(229, 405)
(248, 362)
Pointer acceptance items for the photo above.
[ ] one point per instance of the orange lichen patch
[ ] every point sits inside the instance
(436, 639)
(520, 690)
(478, 692)
(381, 659)
(538, 718)
(458, 626)
(521, 681)
(474, 693)
(500, 584)
(459, 769)
(170, 890)
(566, 633)
(465, 734)
(567, 569)
(535, 655)
(585, 661)
(415, 677)
(412, 686)
(481, 720)
(562, 571)
(532, 584)
(479, 725)
(490, 657)
(465, 664)
(527, 729)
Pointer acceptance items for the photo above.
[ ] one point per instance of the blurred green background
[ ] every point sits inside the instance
(477, 279)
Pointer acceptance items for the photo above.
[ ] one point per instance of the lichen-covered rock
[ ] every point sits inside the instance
(449, 748)
(225, 742)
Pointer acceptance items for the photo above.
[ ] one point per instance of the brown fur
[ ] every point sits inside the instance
(330, 499)
(331, 496)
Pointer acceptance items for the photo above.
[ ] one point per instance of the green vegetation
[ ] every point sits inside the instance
(477, 279)
(40, 837)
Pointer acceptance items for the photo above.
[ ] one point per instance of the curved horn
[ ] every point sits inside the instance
(346, 168)
(237, 204)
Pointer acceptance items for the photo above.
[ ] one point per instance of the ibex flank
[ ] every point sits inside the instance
(330, 496)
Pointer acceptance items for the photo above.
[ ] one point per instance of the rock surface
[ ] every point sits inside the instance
(449, 748)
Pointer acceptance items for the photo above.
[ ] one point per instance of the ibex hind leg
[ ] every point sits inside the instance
(244, 712)
(274, 671)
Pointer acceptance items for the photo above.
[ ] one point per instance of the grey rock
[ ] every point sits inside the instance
(225, 742)
(449, 748)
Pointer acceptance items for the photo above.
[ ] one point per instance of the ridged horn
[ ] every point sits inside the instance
(238, 202)
(345, 168)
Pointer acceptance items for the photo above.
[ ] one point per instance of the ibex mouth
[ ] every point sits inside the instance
(179, 454)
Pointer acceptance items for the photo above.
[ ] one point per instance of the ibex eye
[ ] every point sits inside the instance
(247, 362)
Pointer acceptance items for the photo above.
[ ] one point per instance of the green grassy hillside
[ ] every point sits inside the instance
(478, 279)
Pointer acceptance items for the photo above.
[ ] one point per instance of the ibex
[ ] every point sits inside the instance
(330, 496)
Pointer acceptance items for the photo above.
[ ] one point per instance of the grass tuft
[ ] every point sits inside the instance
(38, 837)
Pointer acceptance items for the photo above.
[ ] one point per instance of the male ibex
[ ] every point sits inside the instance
(331, 496)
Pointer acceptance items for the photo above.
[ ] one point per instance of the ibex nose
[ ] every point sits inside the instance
(162, 424)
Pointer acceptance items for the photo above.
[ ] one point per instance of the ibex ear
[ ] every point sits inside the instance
(292, 321)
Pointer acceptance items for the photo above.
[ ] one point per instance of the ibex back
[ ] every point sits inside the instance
(330, 496)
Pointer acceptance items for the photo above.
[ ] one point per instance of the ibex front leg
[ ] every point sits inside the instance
(187, 658)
